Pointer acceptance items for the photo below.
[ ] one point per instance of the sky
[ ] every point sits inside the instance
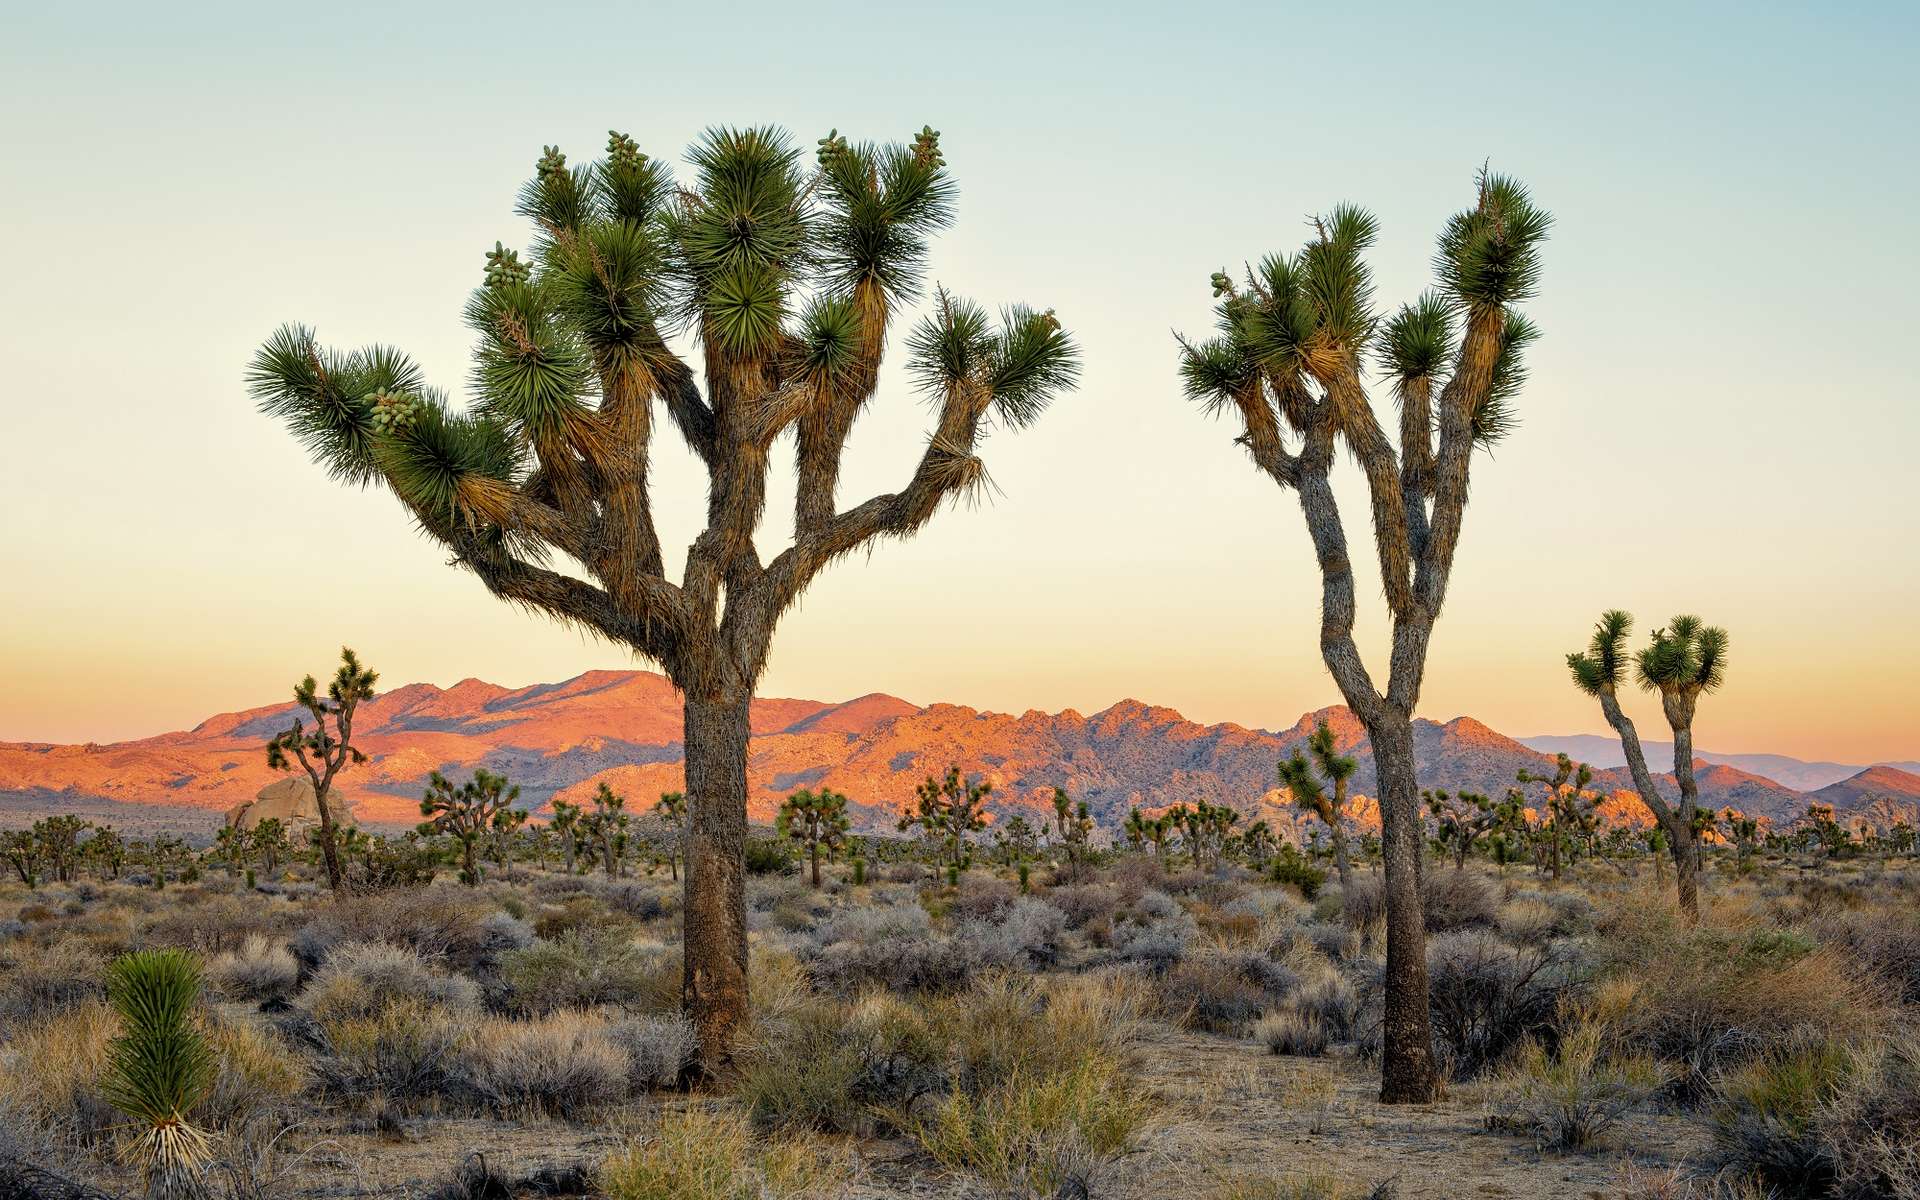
(1721, 414)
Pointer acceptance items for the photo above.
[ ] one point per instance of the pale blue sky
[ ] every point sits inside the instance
(1721, 417)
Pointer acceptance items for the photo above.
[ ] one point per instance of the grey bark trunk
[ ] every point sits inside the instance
(1407, 1074)
(714, 987)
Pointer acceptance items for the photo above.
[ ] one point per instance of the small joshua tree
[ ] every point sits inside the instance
(672, 811)
(948, 811)
(1460, 822)
(789, 281)
(1072, 825)
(23, 852)
(107, 851)
(467, 812)
(159, 1068)
(1256, 843)
(322, 751)
(1204, 828)
(269, 841)
(817, 820)
(507, 822)
(1681, 663)
(1297, 777)
(1744, 832)
(1016, 840)
(1569, 810)
(59, 839)
(606, 827)
(566, 827)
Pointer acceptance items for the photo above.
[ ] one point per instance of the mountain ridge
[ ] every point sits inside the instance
(561, 740)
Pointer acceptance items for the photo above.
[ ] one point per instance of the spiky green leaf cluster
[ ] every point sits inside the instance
(1490, 253)
(1685, 656)
(325, 396)
(160, 1066)
(1600, 667)
(880, 205)
(1418, 341)
(1020, 364)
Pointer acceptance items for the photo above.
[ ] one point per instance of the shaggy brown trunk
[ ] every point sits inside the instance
(815, 847)
(1685, 847)
(1684, 838)
(329, 853)
(714, 989)
(1340, 864)
(1407, 1073)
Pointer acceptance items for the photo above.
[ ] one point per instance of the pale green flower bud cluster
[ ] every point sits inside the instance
(832, 146)
(551, 163)
(394, 411)
(1222, 284)
(504, 267)
(623, 151)
(926, 148)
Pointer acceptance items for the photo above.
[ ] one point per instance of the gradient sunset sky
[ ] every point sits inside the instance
(1722, 414)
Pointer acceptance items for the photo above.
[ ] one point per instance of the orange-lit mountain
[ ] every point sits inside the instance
(623, 728)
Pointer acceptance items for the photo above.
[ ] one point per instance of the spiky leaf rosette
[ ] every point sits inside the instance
(1489, 255)
(159, 1067)
(1600, 667)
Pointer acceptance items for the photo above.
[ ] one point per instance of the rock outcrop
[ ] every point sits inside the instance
(289, 801)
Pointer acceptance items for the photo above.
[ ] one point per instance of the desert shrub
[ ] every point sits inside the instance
(587, 967)
(406, 1054)
(1487, 996)
(254, 1074)
(439, 923)
(698, 1155)
(561, 1065)
(45, 981)
(1765, 1118)
(1295, 870)
(1449, 900)
(1041, 1135)
(641, 901)
(1085, 903)
(50, 1075)
(502, 931)
(1676, 1184)
(211, 926)
(1225, 992)
(362, 978)
(843, 1066)
(259, 969)
(769, 856)
(1026, 936)
(1871, 1124)
(1709, 999)
(873, 923)
(905, 964)
(1569, 1098)
(983, 898)
(1883, 943)
(1330, 999)
(658, 1048)
(1293, 1032)
(1334, 940)
(1155, 934)
(1020, 1026)
(584, 911)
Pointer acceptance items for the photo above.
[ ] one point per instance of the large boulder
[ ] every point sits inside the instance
(289, 801)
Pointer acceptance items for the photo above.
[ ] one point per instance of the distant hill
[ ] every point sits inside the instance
(1874, 783)
(1604, 751)
(623, 728)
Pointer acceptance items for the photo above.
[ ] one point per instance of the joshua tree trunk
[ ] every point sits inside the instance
(1682, 844)
(1408, 1073)
(813, 851)
(715, 975)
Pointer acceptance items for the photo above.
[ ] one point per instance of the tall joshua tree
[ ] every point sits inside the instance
(321, 751)
(1681, 663)
(1289, 358)
(817, 820)
(789, 281)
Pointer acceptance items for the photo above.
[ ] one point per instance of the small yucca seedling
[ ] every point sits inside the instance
(159, 1068)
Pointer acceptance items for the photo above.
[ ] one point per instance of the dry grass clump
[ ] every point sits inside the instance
(363, 978)
(560, 1065)
(50, 1075)
(658, 1048)
(1309, 1185)
(442, 923)
(586, 967)
(1571, 1097)
(406, 1054)
(1488, 997)
(209, 925)
(1766, 1118)
(44, 981)
(259, 969)
(1449, 899)
(699, 1155)
(1290, 1032)
(1871, 1125)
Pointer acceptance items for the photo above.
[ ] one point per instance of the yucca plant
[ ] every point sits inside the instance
(159, 1068)
(1294, 340)
(789, 279)
(1681, 662)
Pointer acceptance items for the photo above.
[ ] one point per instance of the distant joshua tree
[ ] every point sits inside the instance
(1681, 663)
(321, 751)
(1297, 777)
(1569, 810)
(566, 826)
(468, 812)
(790, 281)
(606, 827)
(817, 820)
(1290, 359)
(672, 811)
(948, 811)
(1072, 825)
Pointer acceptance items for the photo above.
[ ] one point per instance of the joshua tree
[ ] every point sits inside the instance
(269, 840)
(817, 820)
(606, 826)
(230, 847)
(107, 850)
(1297, 777)
(1565, 810)
(672, 811)
(1461, 821)
(467, 812)
(1679, 662)
(1256, 842)
(790, 282)
(1135, 829)
(949, 810)
(1016, 840)
(566, 827)
(59, 840)
(1290, 359)
(22, 851)
(160, 1067)
(323, 752)
(507, 822)
(1072, 824)
(1744, 832)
